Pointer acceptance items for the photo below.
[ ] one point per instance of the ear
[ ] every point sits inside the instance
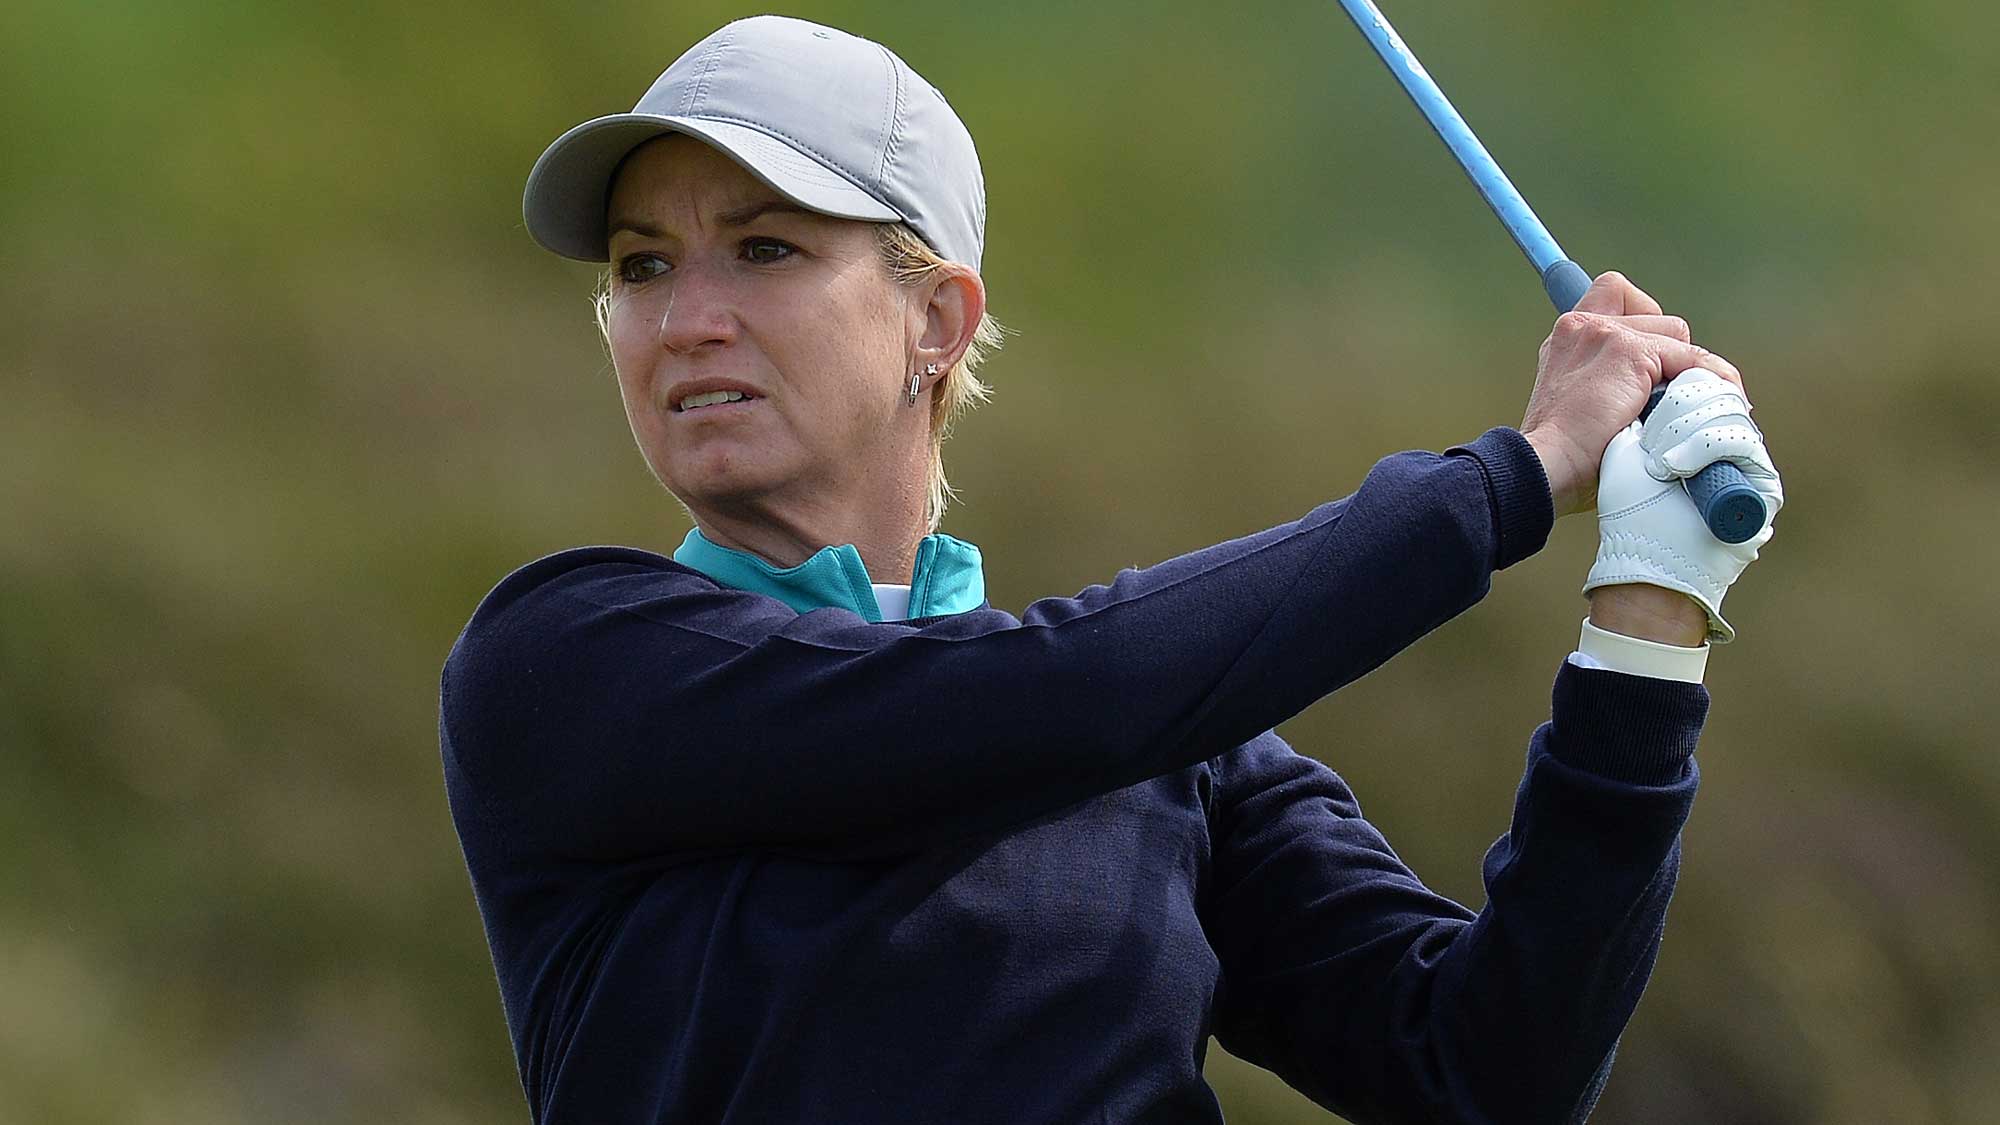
(951, 302)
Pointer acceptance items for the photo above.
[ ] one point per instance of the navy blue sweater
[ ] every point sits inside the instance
(739, 863)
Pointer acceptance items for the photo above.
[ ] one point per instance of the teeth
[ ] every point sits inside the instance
(711, 398)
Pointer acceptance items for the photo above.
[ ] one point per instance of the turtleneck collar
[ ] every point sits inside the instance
(948, 576)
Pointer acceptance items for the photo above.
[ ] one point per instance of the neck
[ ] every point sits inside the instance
(876, 500)
(885, 534)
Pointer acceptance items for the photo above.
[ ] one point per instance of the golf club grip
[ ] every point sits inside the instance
(1733, 511)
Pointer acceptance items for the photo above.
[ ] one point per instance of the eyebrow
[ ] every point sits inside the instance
(735, 217)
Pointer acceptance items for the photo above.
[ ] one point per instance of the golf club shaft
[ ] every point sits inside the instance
(1733, 511)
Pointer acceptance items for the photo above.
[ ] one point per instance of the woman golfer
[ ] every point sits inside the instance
(795, 827)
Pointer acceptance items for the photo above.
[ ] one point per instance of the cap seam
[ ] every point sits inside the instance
(848, 174)
(708, 65)
(894, 114)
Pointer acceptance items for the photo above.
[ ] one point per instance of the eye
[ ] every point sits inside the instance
(765, 251)
(635, 268)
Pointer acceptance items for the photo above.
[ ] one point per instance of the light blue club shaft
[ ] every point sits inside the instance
(1733, 510)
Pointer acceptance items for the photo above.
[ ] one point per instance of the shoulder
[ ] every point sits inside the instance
(544, 598)
(582, 572)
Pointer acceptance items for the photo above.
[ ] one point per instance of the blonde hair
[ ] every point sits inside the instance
(910, 261)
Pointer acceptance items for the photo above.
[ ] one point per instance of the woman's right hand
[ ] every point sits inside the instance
(1597, 368)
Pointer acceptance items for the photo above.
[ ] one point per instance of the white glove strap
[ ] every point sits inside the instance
(1639, 657)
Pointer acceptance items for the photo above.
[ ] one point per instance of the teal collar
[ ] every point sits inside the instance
(948, 577)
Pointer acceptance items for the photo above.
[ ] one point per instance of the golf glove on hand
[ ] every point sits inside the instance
(1648, 529)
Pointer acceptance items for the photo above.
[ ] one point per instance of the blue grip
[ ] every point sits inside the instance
(1565, 283)
(1733, 511)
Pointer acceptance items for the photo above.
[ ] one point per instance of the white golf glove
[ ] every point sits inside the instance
(1648, 529)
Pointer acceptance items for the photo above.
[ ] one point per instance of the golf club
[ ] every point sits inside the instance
(1733, 511)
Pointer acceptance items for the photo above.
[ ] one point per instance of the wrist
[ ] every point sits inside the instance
(1650, 613)
(1559, 465)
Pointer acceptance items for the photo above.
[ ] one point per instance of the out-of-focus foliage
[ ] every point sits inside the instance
(287, 388)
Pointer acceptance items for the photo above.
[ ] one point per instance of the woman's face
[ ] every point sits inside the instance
(720, 284)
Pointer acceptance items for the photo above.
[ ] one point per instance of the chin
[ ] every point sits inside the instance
(726, 482)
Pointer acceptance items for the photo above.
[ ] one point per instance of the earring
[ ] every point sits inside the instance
(929, 369)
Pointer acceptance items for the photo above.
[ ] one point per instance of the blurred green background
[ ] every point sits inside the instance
(287, 388)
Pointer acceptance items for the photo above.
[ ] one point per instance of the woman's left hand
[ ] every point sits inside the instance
(1649, 530)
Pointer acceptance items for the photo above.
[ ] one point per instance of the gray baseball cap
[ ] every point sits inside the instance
(834, 122)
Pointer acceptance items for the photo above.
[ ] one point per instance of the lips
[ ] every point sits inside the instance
(712, 398)
(698, 395)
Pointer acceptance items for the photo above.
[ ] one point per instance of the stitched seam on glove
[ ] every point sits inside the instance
(1629, 509)
(1645, 549)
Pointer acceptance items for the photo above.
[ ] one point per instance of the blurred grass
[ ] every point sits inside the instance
(287, 388)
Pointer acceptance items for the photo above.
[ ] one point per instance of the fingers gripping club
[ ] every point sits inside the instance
(1729, 505)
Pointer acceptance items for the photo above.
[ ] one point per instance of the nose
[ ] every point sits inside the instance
(700, 309)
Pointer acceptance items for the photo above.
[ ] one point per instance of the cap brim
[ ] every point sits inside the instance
(570, 185)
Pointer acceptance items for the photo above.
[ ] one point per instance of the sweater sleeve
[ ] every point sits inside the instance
(618, 709)
(1386, 1002)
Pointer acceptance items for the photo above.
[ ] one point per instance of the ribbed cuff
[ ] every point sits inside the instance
(1630, 728)
(1517, 490)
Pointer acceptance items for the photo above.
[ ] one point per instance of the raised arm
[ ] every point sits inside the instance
(624, 708)
(1386, 1002)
